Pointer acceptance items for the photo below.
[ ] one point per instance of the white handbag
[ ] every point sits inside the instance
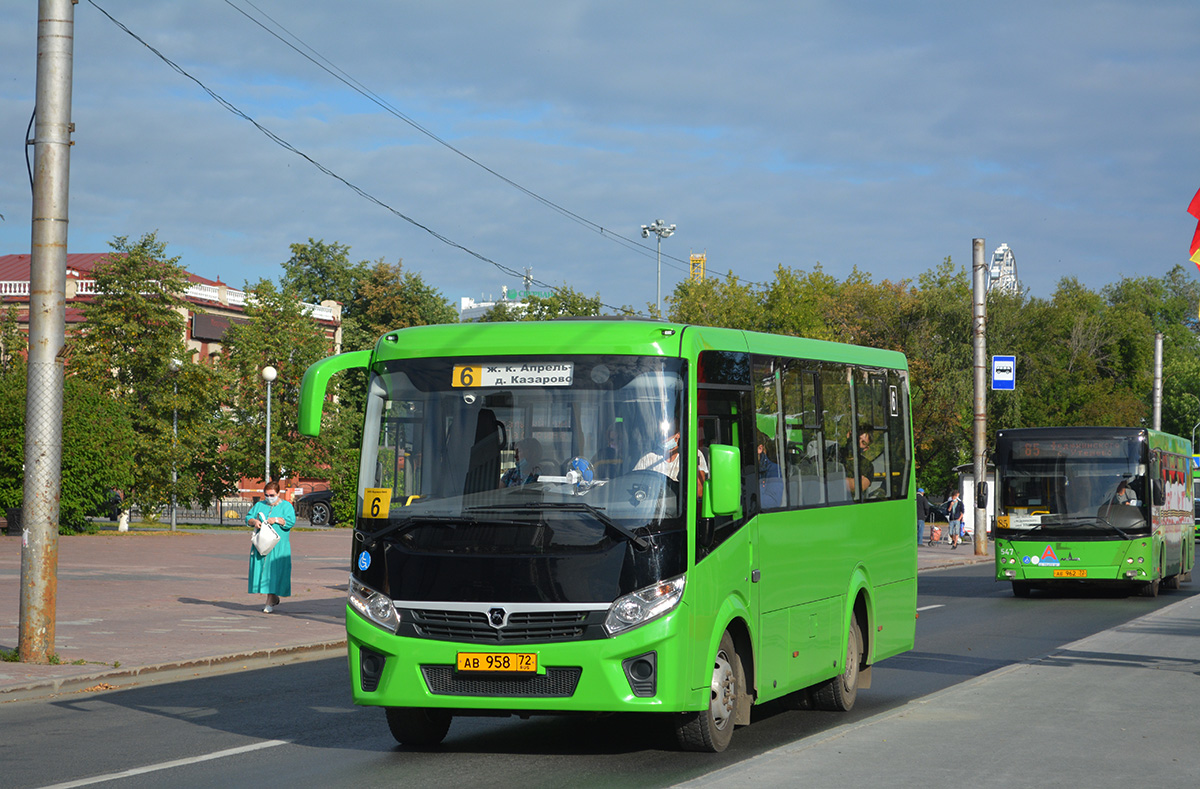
(264, 539)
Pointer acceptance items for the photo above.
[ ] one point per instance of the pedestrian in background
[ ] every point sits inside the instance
(954, 511)
(922, 514)
(272, 574)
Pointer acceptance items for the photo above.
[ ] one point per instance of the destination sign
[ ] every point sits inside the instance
(472, 376)
(1058, 448)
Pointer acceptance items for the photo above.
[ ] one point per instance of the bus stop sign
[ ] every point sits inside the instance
(1004, 373)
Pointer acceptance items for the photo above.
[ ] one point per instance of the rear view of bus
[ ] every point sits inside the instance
(1093, 505)
(566, 517)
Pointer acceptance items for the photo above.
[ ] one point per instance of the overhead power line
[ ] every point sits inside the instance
(353, 187)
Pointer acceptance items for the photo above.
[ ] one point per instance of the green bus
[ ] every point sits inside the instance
(1196, 489)
(1096, 505)
(592, 516)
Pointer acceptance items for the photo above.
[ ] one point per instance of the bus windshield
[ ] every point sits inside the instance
(1073, 486)
(522, 455)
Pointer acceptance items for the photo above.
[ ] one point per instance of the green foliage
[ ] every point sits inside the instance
(98, 443)
(132, 347)
(317, 272)
(566, 302)
(279, 333)
(1083, 357)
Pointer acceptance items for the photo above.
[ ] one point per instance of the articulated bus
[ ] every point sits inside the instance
(1098, 505)
(621, 516)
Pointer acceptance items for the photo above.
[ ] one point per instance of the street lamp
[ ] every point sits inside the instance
(662, 230)
(268, 375)
(175, 366)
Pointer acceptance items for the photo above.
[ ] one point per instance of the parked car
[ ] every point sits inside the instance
(317, 507)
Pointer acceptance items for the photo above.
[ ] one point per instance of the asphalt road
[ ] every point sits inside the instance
(300, 729)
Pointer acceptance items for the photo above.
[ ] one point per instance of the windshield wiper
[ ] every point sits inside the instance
(407, 523)
(573, 506)
(410, 522)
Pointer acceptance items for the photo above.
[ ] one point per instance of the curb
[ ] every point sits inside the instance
(120, 678)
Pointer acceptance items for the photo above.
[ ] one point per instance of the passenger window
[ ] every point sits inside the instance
(838, 442)
(803, 437)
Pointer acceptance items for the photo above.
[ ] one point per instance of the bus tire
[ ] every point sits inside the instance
(418, 726)
(838, 694)
(711, 729)
(1021, 588)
(1149, 589)
(1170, 582)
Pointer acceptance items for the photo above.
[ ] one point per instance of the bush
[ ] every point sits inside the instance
(97, 448)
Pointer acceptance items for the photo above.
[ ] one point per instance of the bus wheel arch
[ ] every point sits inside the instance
(711, 728)
(840, 692)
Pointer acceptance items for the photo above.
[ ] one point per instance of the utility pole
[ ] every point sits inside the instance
(979, 332)
(47, 329)
(1157, 396)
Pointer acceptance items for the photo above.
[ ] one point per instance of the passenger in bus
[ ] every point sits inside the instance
(667, 463)
(865, 467)
(1123, 494)
(528, 467)
(609, 460)
(770, 479)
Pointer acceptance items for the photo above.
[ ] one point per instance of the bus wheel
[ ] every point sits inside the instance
(1021, 588)
(711, 729)
(418, 726)
(1149, 589)
(1170, 582)
(840, 692)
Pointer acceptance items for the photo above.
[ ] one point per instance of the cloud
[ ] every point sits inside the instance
(850, 134)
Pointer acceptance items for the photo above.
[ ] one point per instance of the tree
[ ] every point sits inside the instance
(98, 443)
(565, 302)
(317, 271)
(280, 333)
(130, 346)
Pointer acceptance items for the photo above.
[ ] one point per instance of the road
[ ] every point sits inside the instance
(302, 731)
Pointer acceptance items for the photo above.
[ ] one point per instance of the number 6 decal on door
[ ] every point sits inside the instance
(377, 502)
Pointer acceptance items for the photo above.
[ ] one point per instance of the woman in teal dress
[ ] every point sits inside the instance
(272, 574)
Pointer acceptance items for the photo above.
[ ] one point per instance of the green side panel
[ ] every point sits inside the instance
(315, 382)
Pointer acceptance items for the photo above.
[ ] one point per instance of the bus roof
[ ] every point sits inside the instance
(624, 337)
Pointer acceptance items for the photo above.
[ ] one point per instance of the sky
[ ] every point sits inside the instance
(493, 137)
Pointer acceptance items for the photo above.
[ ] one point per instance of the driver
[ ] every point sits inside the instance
(668, 463)
(529, 455)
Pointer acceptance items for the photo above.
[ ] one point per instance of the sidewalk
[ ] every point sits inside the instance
(144, 606)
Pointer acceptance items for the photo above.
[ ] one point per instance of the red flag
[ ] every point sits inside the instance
(1194, 210)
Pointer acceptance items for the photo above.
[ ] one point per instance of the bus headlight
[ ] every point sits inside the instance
(638, 608)
(376, 607)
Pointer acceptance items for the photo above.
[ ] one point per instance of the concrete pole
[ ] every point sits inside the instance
(47, 329)
(1158, 382)
(979, 335)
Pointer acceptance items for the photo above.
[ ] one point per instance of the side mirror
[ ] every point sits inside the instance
(981, 495)
(725, 479)
(1160, 496)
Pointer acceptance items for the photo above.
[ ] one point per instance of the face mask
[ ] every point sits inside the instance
(670, 444)
(272, 499)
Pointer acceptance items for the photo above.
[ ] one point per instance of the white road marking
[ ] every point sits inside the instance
(928, 607)
(258, 746)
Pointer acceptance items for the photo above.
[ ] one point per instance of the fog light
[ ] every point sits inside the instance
(1010, 574)
(641, 673)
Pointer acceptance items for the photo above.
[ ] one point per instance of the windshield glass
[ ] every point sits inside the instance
(1080, 486)
(519, 455)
